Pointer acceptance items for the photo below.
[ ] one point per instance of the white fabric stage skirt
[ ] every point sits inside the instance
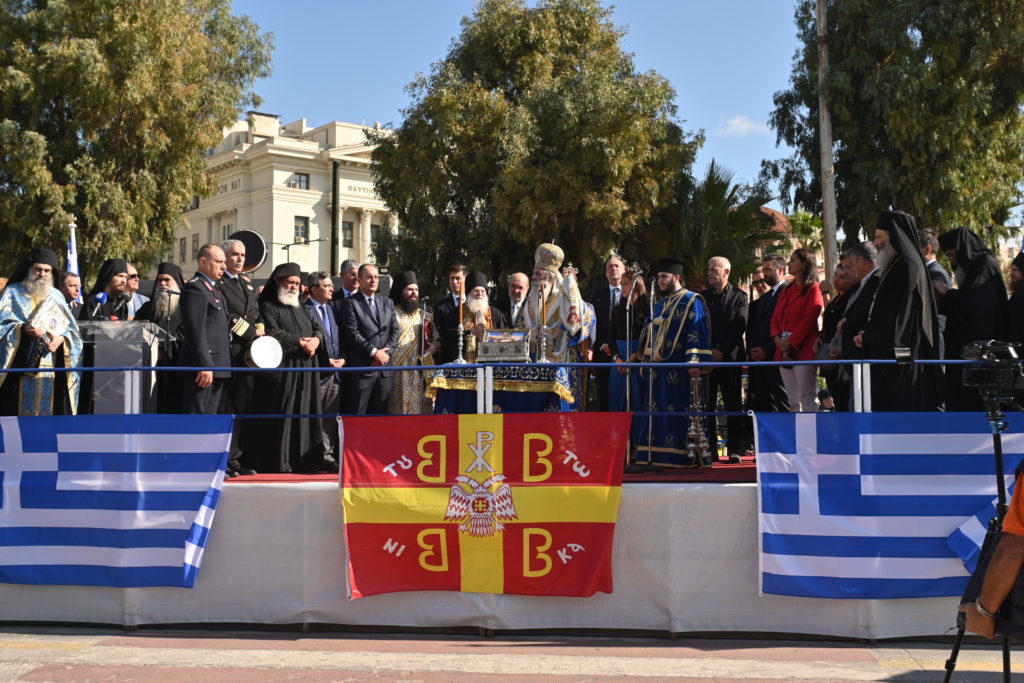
(685, 561)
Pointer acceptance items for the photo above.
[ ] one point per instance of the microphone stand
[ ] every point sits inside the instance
(648, 466)
(650, 376)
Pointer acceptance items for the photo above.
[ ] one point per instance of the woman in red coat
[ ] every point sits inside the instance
(794, 329)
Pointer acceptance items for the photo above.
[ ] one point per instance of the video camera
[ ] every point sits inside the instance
(1002, 368)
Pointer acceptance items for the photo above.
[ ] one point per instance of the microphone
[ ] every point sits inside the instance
(100, 298)
(632, 286)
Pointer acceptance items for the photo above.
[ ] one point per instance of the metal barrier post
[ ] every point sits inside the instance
(489, 389)
(480, 391)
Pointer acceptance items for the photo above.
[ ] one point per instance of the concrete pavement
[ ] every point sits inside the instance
(50, 653)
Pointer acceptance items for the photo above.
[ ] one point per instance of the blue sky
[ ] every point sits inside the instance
(350, 61)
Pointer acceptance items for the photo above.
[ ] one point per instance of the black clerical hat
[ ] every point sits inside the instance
(476, 279)
(669, 265)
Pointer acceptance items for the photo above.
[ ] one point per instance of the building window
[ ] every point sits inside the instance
(181, 250)
(299, 181)
(225, 231)
(374, 235)
(195, 246)
(347, 240)
(301, 229)
(195, 202)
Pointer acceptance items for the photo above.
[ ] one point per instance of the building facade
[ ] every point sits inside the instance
(277, 180)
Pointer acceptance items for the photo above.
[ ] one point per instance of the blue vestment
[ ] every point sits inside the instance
(680, 332)
(35, 392)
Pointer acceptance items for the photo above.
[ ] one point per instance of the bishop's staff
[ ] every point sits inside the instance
(543, 332)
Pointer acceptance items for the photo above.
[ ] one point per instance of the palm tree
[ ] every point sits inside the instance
(714, 217)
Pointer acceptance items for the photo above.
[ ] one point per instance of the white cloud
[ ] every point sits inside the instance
(740, 126)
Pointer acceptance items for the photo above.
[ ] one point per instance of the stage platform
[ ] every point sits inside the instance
(685, 561)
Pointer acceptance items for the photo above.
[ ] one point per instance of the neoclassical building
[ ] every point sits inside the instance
(279, 181)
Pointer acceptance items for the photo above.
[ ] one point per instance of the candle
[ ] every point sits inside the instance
(460, 303)
(543, 306)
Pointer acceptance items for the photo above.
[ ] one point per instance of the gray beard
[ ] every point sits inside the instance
(166, 303)
(38, 288)
(288, 298)
(886, 255)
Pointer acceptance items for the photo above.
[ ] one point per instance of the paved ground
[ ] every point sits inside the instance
(31, 653)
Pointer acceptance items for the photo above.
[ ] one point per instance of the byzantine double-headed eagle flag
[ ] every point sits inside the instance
(507, 503)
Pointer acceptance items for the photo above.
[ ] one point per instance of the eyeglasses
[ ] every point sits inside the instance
(133, 277)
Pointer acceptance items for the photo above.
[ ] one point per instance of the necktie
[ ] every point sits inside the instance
(515, 313)
(373, 308)
(327, 322)
(616, 293)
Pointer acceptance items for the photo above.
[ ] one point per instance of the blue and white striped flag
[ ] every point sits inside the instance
(109, 500)
(863, 505)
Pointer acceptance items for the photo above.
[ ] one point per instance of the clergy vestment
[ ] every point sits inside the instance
(287, 444)
(679, 333)
(42, 392)
(903, 318)
(407, 388)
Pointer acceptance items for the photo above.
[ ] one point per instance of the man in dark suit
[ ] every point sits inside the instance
(349, 280)
(446, 314)
(765, 392)
(207, 335)
(518, 291)
(727, 305)
(605, 299)
(243, 318)
(331, 353)
(369, 331)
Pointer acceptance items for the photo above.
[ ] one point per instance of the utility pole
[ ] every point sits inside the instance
(828, 170)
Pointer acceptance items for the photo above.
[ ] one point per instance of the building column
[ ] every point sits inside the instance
(342, 249)
(363, 238)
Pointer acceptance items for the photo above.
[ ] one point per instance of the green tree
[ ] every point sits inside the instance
(106, 107)
(926, 99)
(714, 217)
(806, 228)
(534, 128)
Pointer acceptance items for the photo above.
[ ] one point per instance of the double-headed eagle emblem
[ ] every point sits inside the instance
(479, 509)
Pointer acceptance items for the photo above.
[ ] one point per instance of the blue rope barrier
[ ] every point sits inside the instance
(469, 366)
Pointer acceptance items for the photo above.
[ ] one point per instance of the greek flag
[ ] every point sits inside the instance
(109, 500)
(871, 505)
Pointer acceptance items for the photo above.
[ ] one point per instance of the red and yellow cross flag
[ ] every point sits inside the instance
(516, 503)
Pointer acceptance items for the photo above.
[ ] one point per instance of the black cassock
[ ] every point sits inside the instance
(977, 309)
(168, 384)
(903, 316)
(287, 444)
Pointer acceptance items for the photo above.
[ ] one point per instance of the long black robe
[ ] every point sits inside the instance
(287, 444)
(1015, 329)
(168, 384)
(903, 315)
(977, 309)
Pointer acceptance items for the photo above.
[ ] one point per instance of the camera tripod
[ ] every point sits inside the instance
(997, 421)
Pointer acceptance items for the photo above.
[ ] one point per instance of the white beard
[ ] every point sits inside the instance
(886, 255)
(166, 302)
(477, 306)
(288, 298)
(38, 288)
(550, 289)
